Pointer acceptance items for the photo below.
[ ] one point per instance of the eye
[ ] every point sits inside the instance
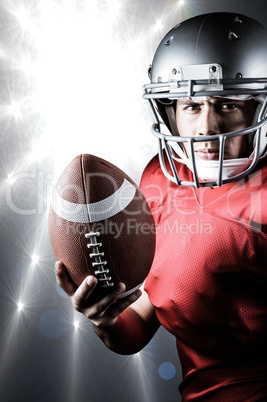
(228, 106)
(192, 107)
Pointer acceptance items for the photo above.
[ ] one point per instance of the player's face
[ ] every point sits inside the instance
(197, 117)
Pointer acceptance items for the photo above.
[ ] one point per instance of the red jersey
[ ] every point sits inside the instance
(208, 282)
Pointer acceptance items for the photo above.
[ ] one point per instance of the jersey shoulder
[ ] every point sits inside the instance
(157, 188)
(244, 201)
(153, 182)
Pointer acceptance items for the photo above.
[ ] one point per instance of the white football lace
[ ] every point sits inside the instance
(100, 272)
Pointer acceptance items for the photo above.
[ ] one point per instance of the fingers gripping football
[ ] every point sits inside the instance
(105, 311)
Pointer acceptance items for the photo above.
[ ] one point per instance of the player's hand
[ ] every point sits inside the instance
(105, 311)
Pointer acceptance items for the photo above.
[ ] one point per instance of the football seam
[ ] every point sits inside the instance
(100, 272)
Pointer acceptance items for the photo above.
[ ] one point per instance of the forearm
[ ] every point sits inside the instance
(129, 334)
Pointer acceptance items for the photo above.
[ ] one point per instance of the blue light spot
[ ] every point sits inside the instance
(167, 371)
(53, 324)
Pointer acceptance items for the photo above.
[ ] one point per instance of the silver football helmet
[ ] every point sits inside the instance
(217, 54)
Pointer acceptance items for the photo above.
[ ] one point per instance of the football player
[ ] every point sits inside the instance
(207, 284)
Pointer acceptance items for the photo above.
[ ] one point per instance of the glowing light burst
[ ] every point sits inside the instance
(136, 369)
(24, 17)
(159, 25)
(76, 324)
(14, 109)
(76, 76)
(10, 179)
(35, 259)
(82, 75)
(73, 80)
(20, 306)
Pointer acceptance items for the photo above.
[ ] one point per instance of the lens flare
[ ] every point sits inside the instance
(71, 82)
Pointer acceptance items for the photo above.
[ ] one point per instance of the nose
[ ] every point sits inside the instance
(209, 123)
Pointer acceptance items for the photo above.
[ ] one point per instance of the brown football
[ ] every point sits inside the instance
(100, 224)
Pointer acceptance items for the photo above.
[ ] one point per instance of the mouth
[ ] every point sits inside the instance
(209, 154)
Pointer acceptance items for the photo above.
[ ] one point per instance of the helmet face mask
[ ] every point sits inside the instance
(213, 55)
